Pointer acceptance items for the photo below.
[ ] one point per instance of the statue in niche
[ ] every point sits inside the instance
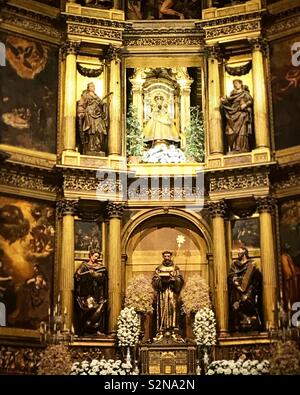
(93, 120)
(167, 282)
(160, 127)
(91, 292)
(237, 109)
(245, 294)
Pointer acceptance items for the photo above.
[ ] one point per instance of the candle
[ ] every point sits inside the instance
(58, 298)
(65, 311)
(72, 330)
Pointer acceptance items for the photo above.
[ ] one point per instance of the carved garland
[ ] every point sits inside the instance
(233, 29)
(240, 70)
(90, 73)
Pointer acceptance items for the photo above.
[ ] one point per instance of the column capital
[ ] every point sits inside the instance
(259, 44)
(266, 204)
(112, 53)
(70, 48)
(218, 209)
(114, 210)
(213, 51)
(66, 207)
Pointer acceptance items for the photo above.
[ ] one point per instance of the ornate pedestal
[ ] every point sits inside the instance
(168, 356)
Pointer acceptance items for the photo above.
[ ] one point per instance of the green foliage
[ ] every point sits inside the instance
(134, 136)
(285, 358)
(195, 147)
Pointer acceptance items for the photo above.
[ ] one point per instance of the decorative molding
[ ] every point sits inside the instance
(233, 29)
(94, 31)
(66, 207)
(162, 41)
(32, 22)
(239, 181)
(217, 209)
(27, 179)
(97, 22)
(239, 70)
(87, 181)
(266, 204)
(114, 210)
(284, 21)
(90, 73)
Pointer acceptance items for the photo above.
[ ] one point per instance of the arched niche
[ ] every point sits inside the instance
(149, 233)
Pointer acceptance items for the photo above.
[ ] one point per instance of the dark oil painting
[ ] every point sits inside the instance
(245, 233)
(87, 236)
(290, 228)
(27, 231)
(28, 94)
(285, 80)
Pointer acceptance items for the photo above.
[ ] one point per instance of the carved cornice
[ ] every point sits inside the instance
(163, 36)
(162, 41)
(231, 25)
(32, 22)
(217, 209)
(232, 182)
(94, 31)
(86, 181)
(66, 207)
(266, 204)
(114, 210)
(23, 178)
(97, 22)
(284, 22)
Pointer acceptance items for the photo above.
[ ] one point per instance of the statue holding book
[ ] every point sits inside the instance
(245, 291)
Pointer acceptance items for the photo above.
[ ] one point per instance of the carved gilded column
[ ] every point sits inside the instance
(115, 128)
(261, 124)
(70, 50)
(66, 209)
(137, 98)
(185, 104)
(214, 93)
(218, 211)
(114, 213)
(266, 206)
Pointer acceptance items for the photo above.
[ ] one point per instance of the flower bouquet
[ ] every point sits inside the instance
(239, 367)
(101, 367)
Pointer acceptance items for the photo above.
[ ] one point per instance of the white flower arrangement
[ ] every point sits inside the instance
(204, 328)
(164, 154)
(240, 367)
(101, 367)
(128, 327)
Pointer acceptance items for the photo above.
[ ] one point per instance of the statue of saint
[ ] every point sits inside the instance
(237, 109)
(167, 282)
(93, 119)
(160, 127)
(245, 293)
(91, 295)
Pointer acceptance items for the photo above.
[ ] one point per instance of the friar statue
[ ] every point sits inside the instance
(91, 292)
(245, 294)
(167, 282)
(93, 122)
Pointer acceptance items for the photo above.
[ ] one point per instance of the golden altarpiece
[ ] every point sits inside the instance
(59, 199)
